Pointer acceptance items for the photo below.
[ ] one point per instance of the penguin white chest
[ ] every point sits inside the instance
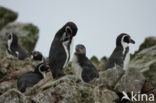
(77, 68)
(68, 52)
(126, 61)
(9, 44)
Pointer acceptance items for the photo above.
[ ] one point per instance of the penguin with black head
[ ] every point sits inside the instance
(37, 56)
(13, 48)
(83, 68)
(31, 78)
(61, 49)
(120, 55)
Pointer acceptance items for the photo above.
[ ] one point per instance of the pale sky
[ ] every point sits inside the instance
(99, 21)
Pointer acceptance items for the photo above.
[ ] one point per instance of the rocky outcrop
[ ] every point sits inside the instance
(69, 89)
(27, 33)
(13, 96)
(145, 62)
(6, 16)
(148, 42)
(132, 80)
(110, 77)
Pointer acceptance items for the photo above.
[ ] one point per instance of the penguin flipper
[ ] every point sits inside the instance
(115, 59)
(21, 53)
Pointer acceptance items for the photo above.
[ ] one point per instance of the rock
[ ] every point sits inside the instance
(150, 74)
(145, 62)
(2, 70)
(94, 59)
(148, 42)
(6, 16)
(144, 59)
(65, 90)
(103, 95)
(102, 63)
(148, 87)
(132, 80)
(4, 86)
(110, 77)
(27, 33)
(95, 62)
(13, 96)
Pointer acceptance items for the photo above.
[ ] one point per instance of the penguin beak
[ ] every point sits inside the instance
(132, 41)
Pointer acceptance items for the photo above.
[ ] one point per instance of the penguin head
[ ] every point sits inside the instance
(123, 40)
(36, 55)
(42, 67)
(80, 49)
(69, 31)
(12, 38)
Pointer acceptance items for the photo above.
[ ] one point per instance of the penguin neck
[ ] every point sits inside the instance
(125, 47)
(38, 71)
(80, 56)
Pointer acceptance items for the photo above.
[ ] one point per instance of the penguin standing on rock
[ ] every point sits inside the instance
(61, 49)
(83, 67)
(120, 55)
(29, 79)
(13, 48)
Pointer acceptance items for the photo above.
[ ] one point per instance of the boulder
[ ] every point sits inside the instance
(110, 77)
(95, 62)
(65, 90)
(6, 85)
(6, 16)
(132, 80)
(102, 63)
(150, 74)
(148, 42)
(145, 62)
(27, 33)
(103, 95)
(13, 96)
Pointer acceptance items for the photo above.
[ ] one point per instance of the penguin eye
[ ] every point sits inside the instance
(126, 39)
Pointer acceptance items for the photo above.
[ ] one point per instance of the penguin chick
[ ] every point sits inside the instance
(13, 48)
(83, 68)
(120, 55)
(61, 49)
(29, 79)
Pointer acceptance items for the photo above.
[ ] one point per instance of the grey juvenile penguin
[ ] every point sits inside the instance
(61, 49)
(120, 55)
(29, 79)
(13, 48)
(83, 68)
